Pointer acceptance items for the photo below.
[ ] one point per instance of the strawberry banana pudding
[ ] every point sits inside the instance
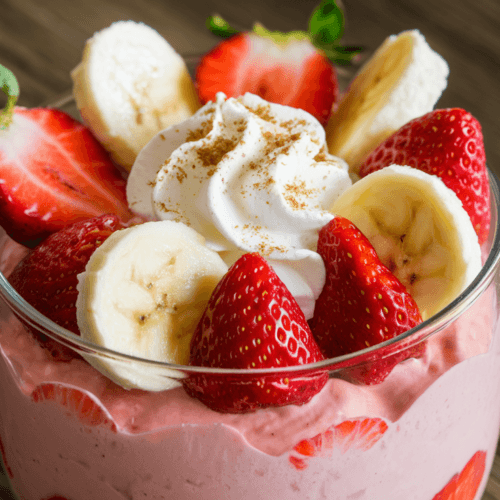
(249, 301)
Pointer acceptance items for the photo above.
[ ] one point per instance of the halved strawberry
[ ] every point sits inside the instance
(447, 143)
(54, 172)
(76, 402)
(362, 303)
(464, 486)
(294, 69)
(47, 277)
(252, 321)
(350, 434)
(292, 73)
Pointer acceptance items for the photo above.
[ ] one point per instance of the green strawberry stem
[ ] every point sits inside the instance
(220, 27)
(326, 27)
(10, 87)
(278, 37)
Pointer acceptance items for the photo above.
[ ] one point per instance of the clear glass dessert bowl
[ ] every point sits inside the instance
(66, 431)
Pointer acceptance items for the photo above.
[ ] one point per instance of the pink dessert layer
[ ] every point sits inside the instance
(405, 438)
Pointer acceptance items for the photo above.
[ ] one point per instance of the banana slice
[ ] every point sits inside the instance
(142, 293)
(401, 81)
(419, 230)
(130, 85)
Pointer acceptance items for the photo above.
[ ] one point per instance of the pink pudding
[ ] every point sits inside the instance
(262, 178)
(69, 432)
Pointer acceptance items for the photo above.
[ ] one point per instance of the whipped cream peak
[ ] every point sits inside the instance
(250, 176)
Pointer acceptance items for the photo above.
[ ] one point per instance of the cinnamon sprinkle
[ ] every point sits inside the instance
(211, 155)
(296, 192)
(200, 133)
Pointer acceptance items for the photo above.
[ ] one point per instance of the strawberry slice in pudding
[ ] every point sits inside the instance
(76, 402)
(464, 486)
(350, 434)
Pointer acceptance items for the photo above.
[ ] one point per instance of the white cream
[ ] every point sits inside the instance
(249, 176)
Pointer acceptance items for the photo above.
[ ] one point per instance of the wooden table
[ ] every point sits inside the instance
(42, 40)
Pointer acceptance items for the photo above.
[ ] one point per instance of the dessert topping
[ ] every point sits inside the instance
(47, 277)
(261, 180)
(252, 321)
(419, 230)
(447, 143)
(52, 172)
(130, 85)
(143, 293)
(294, 69)
(362, 303)
(402, 80)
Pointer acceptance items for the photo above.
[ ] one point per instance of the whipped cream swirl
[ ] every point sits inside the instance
(250, 176)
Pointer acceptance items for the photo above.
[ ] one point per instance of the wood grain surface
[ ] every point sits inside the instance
(42, 40)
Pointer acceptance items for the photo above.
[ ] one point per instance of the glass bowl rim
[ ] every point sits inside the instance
(41, 323)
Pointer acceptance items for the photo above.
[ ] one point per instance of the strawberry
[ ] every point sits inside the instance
(464, 486)
(362, 302)
(47, 277)
(350, 434)
(252, 321)
(294, 74)
(52, 172)
(76, 402)
(293, 69)
(447, 143)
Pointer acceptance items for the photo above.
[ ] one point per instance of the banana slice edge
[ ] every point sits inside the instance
(127, 303)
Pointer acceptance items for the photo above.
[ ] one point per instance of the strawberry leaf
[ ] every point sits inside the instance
(10, 87)
(342, 56)
(220, 27)
(326, 25)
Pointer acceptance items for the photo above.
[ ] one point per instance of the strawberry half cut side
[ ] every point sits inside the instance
(47, 277)
(447, 143)
(362, 303)
(252, 321)
(54, 172)
(295, 69)
(292, 73)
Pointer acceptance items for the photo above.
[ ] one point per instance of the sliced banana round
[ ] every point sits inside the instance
(401, 81)
(142, 293)
(131, 84)
(419, 230)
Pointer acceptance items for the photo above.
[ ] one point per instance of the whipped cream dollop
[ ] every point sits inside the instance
(250, 176)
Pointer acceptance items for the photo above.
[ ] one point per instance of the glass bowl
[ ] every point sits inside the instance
(66, 431)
